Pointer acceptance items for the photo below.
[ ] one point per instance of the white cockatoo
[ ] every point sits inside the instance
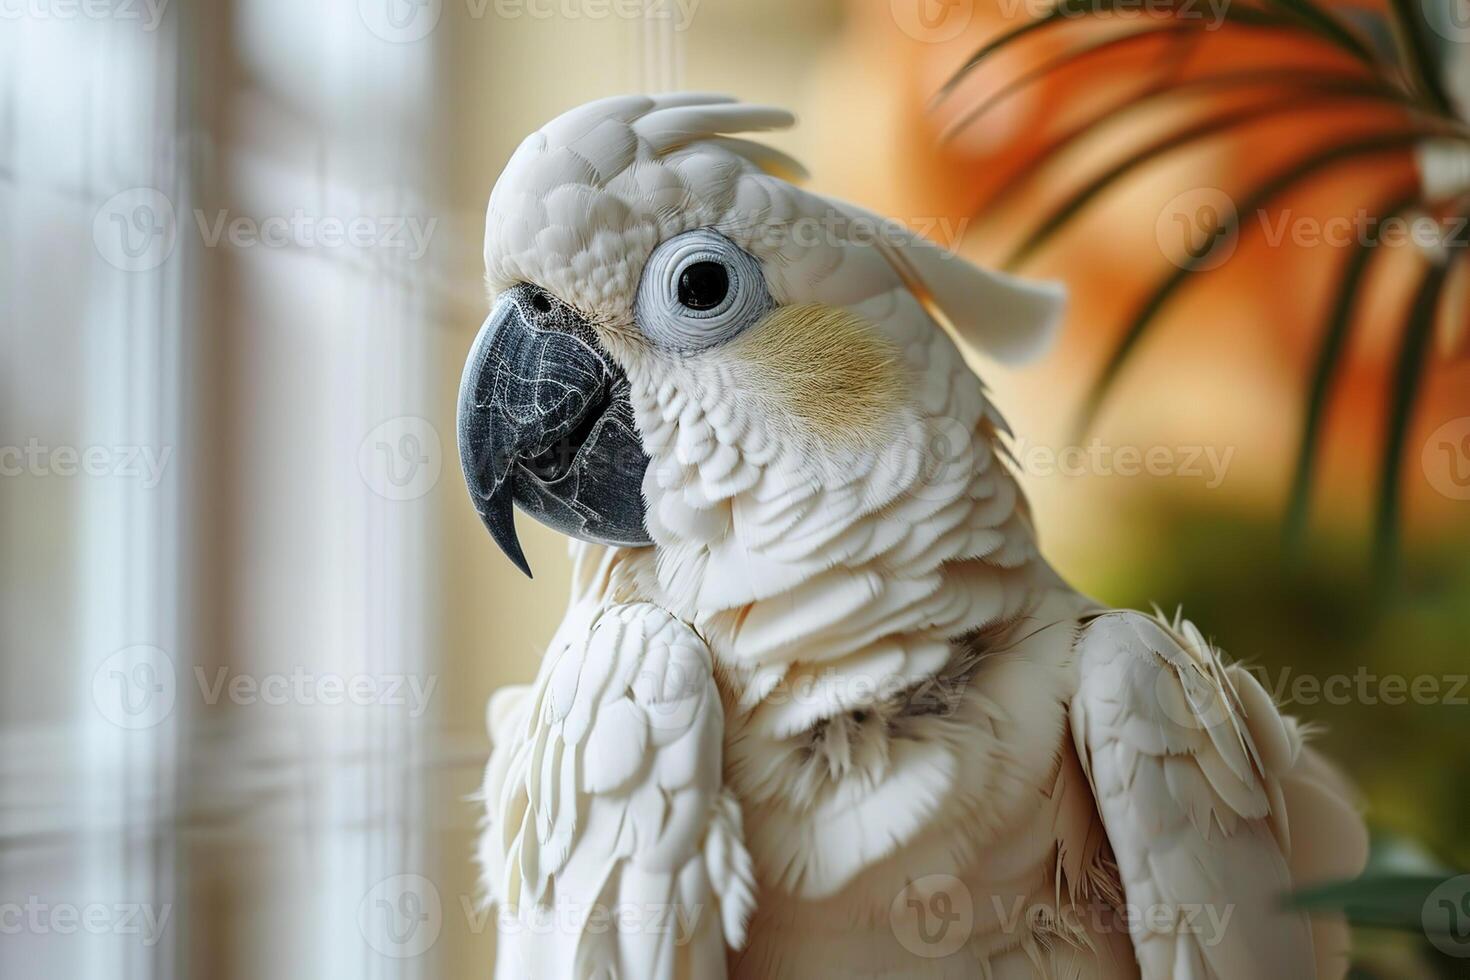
(818, 707)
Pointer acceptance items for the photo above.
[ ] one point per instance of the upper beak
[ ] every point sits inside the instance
(545, 423)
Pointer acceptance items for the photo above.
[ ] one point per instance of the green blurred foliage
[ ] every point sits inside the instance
(1298, 620)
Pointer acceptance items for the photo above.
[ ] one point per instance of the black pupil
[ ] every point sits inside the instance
(703, 285)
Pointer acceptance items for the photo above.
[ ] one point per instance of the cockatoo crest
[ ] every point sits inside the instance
(585, 200)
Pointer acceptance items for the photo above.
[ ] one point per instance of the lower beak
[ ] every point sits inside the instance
(545, 424)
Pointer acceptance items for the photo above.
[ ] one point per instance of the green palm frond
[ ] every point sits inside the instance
(1326, 25)
(1329, 359)
(1307, 98)
(1063, 60)
(1288, 82)
(1385, 901)
(1071, 11)
(1260, 199)
(1410, 85)
(1424, 70)
(1404, 896)
(1408, 378)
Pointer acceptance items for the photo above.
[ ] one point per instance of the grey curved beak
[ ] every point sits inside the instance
(545, 424)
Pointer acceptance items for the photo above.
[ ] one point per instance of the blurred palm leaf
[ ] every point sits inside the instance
(1389, 64)
(1387, 901)
(1405, 895)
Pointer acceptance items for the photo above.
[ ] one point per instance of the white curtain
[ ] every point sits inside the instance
(93, 571)
(247, 641)
(221, 666)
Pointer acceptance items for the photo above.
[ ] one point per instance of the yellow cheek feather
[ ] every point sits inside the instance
(826, 366)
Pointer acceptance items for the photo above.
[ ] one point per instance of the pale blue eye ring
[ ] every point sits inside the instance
(679, 306)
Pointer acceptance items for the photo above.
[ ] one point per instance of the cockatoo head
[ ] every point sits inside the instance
(680, 336)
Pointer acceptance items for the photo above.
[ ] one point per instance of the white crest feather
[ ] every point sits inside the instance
(1011, 319)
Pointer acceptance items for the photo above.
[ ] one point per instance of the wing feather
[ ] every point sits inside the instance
(611, 845)
(1194, 771)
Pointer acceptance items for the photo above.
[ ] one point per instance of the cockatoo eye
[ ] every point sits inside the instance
(700, 289)
(704, 286)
